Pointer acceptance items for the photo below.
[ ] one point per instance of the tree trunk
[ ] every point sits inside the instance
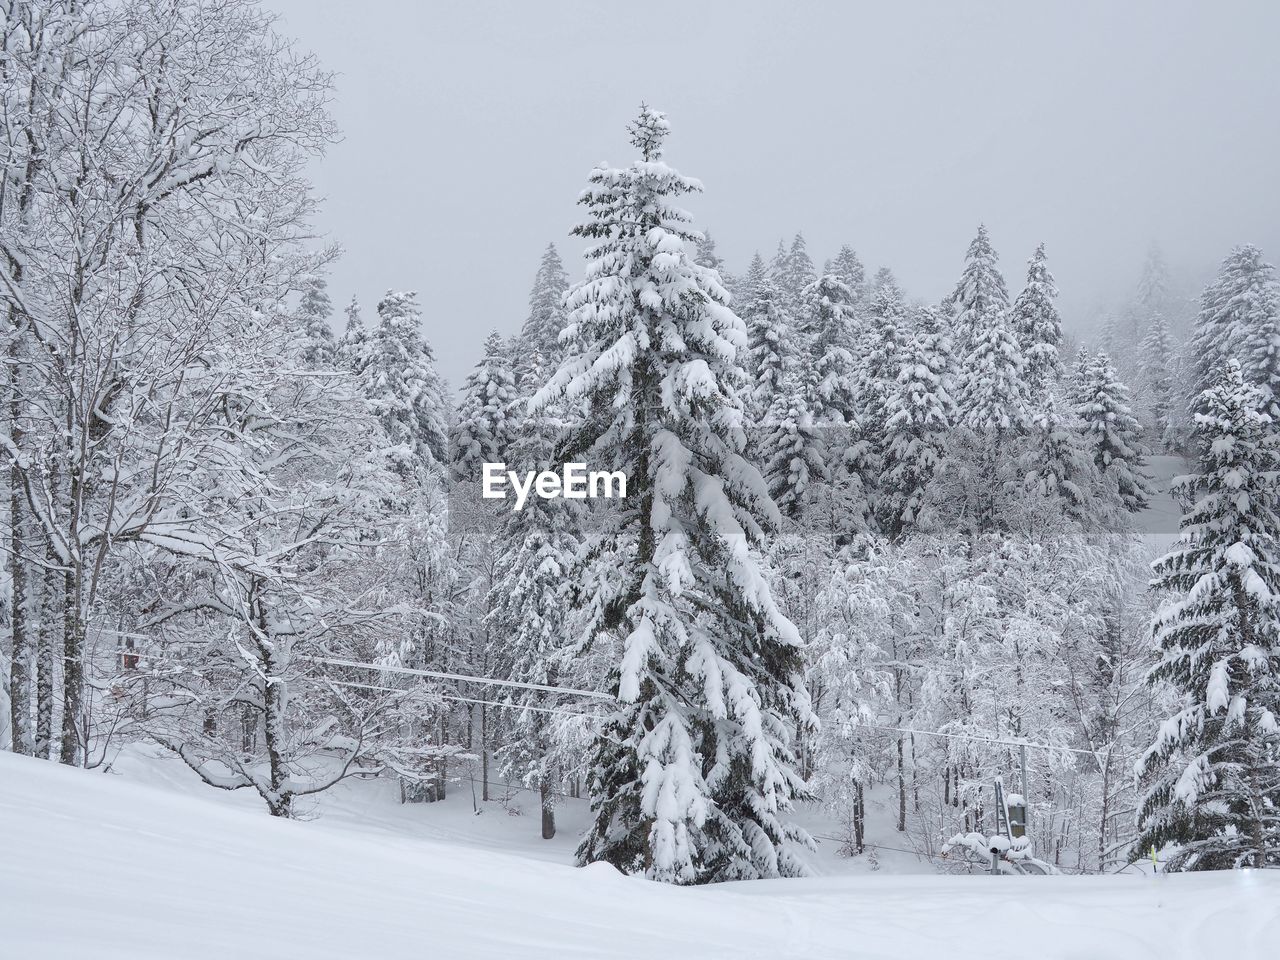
(1106, 812)
(859, 819)
(274, 705)
(1259, 804)
(548, 810)
(484, 753)
(915, 779)
(47, 652)
(273, 700)
(442, 763)
(23, 652)
(902, 785)
(23, 655)
(248, 729)
(72, 672)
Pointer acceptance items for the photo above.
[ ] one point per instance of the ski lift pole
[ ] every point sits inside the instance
(1017, 807)
(993, 840)
(1022, 753)
(1002, 809)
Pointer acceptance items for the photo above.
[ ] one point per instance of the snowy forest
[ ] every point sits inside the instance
(872, 545)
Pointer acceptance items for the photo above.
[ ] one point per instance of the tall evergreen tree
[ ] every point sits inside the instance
(769, 343)
(981, 295)
(778, 264)
(1153, 284)
(354, 333)
(919, 413)
(1112, 432)
(1058, 467)
(529, 604)
(884, 279)
(1079, 370)
(796, 271)
(1213, 773)
(993, 397)
(831, 398)
(994, 412)
(881, 343)
(757, 272)
(541, 330)
(1239, 312)
(1260, 356)
(1158, 360)
(694, 771)
(826, 310)
(848, 269)
(1111, 340)
(319, 346)
(793, 449)
(396, 370)
(1038, 327)
(484, 428)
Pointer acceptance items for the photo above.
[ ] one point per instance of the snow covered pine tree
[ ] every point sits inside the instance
(1213, 773)
(1038, 327)
(529, 605)
(695, 768)
(769, 336)
(396, 369)
(1112, 432)
(541, 330)
(485, 424)
(919, 413)
(1158, 365)
(1239, 315)
(980, 295)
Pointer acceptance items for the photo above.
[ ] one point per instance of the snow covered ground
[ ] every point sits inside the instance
(104, 866)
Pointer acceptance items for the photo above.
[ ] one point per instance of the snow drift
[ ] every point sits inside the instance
(96, 866)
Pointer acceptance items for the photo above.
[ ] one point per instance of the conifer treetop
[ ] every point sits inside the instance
(354, 321)
(648, 131)
(981, 292)
(1037, 324)
(1240, 317)
(1153, 285)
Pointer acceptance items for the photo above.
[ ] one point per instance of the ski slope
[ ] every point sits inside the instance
(95, 866)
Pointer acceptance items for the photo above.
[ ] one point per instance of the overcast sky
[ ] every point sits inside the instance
(470, 127)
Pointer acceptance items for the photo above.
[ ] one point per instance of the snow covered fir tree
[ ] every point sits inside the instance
(909, 542)
(694, 774)
(1214, 768)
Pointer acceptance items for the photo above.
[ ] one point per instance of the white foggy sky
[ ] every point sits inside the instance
(469, 129)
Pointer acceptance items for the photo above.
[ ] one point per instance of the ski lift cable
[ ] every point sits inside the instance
(412, 671)
(608, 697)
(460, 699)
(464, 678)
(966, 736)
